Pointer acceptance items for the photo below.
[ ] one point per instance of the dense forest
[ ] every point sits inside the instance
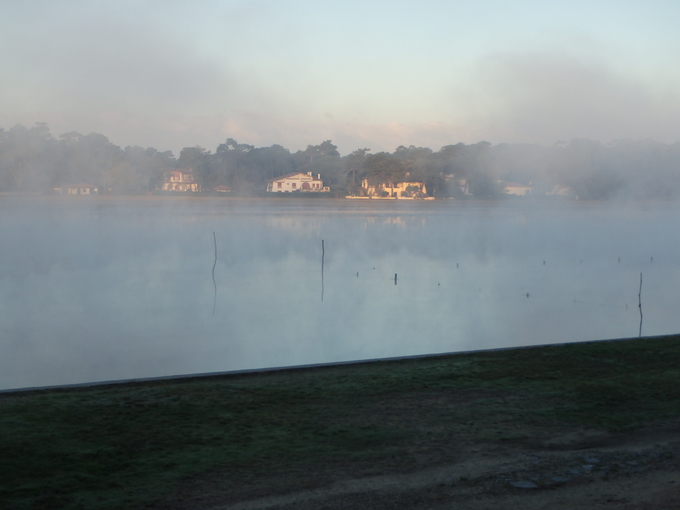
(32, 160)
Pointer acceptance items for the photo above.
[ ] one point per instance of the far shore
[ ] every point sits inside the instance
(293, 196)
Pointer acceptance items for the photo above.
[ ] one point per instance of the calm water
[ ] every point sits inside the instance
(99, 289)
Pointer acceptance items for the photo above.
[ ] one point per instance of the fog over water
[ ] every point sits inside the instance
(103, 288)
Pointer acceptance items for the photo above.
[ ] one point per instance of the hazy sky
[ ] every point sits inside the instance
(376, 74)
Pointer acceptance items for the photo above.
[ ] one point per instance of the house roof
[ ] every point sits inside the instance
(291, 175)
(394, 184)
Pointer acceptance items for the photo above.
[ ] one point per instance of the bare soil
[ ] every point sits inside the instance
(584, 469)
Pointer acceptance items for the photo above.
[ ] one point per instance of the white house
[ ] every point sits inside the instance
(512, 188)
(399, 190)
(180, 180)
(297, 181)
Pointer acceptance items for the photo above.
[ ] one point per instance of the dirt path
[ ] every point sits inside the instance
(640, 471)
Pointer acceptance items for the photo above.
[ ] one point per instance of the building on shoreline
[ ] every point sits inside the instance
(513, 188)
(297, 181)
(394, 191)
(76, 189)
(180, 180)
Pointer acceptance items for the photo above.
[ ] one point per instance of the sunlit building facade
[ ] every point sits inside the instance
(180, 180)
(297, 181)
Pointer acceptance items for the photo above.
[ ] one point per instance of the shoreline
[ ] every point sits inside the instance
(294, 368)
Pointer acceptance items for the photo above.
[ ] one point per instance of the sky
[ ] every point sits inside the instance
(364, 74)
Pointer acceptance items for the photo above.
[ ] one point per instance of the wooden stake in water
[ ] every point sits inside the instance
(213, 273)
(640, 305)
(323, 254)
(395, 278)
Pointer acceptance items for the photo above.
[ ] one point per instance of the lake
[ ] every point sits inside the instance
(102, 288)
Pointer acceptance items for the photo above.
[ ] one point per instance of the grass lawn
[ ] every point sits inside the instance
(152, 444)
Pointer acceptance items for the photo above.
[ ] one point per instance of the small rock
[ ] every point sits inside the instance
(524, 484)
(592, 460)
(587, 467)
(575, 471)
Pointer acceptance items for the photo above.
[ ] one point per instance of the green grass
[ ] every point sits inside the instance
(149, 444)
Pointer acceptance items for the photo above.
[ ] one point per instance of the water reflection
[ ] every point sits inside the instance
(103, 289)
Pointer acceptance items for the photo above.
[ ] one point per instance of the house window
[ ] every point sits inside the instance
(293, 184)
(278, 184)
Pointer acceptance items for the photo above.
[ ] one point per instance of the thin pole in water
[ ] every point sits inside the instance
(640, 305)
(323, 254)
(213, 273)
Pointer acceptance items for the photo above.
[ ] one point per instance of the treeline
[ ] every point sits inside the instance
(33, 160)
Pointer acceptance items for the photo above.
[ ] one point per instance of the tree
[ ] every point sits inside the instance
(354, 164)
(383, 167)
(266, 163)
(198, 160)
(150, 165)
(314, 152)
